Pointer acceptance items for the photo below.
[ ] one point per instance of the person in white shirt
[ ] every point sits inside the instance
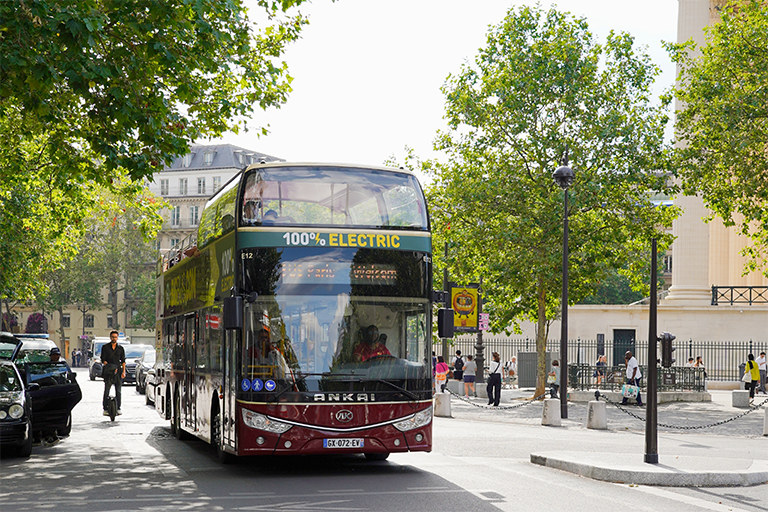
(510, 368)
(761, 364)
(494, 380)
(633, 376)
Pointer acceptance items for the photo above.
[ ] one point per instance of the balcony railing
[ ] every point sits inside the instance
(739, 295)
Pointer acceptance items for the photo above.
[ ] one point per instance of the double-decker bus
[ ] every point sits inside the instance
(299, 321)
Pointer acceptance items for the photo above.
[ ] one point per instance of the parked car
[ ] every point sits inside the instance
(34, 348)
(39, 395)
(150, 387)
(94, 363)
(143, 364)
(132, 354)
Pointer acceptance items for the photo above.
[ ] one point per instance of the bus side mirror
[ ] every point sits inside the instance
(445, 323)
(233, 312)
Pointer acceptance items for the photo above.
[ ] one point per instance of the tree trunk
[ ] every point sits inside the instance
(542, 331)
(60, 310)
(113, 289)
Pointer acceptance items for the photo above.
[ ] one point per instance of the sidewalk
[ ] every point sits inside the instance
(729, 452)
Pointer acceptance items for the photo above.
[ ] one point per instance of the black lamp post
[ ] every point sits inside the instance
(563, 176)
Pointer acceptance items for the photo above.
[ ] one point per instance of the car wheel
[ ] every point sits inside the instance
(176, 429)
(91, 376)
(25, 450)
(147, 400)
(68, 427)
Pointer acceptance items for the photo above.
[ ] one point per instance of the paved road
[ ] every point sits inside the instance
(480, 462)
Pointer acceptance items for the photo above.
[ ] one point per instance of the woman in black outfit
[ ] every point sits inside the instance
(494, 380)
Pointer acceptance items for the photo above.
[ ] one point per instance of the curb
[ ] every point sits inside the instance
(672, 472)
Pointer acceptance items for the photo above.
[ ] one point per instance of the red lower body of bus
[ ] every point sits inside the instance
(334, 429)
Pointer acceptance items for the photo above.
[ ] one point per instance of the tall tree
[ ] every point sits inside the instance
(540, 90)
(722, 126)
(93, 89)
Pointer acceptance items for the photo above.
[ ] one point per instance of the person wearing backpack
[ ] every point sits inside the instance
(458, 366)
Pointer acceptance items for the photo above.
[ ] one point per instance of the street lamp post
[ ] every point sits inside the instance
(563, 176)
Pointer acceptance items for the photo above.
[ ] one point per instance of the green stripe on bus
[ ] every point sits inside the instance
(368, 240)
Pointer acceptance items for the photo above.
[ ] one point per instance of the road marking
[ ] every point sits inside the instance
(688, 500)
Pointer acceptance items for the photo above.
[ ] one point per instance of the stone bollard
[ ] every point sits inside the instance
(550, 415)
(740, 398)
(597, 417)
(443, 405)
(765, 423)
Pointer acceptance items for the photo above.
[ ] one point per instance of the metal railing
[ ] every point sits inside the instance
(739, 295)
(721, 358)
(611, 378)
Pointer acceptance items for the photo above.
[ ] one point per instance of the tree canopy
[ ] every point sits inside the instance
(107, 92)
(722, 127)
(540, 90)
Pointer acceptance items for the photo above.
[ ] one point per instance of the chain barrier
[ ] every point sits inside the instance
(493, 407)
(751, 409)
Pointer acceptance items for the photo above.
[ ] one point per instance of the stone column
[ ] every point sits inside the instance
(690, 251)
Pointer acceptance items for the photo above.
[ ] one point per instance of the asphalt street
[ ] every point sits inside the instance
(480, 461)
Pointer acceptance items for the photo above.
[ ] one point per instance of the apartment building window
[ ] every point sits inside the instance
(201, 186)
(163, 187)
(88, 320)
(174, 242)
(208, 158)
(65, 320)
(216, 183)
(110, 323)
(176, 216)
(186, 161)
(183, 186)
(193, 215)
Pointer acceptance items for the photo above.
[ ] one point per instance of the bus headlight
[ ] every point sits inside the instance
(261, 422)
(16, 411)
(419, 419)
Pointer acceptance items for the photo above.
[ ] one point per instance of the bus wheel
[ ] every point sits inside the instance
(176, 429)
(376, 456)
(224, 457)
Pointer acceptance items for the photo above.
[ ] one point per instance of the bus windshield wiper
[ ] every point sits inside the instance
(295, 383)
(404, 391)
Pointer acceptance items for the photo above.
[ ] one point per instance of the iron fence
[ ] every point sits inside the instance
(611, 378)
(721, 359)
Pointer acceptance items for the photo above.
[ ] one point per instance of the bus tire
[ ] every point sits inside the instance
(376, 456)
(221, 455)
(176, 429)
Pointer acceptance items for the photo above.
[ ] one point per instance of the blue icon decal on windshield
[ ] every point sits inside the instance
(270, 385)
(257, 385)
(245, 385)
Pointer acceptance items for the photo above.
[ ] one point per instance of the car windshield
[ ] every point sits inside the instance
(135, 351)
(8, 379)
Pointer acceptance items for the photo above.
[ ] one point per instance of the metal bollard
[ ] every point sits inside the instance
(550, 415)
(597, 417)
(443, 405)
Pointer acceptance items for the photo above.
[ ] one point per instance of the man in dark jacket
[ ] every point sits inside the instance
(113, 370)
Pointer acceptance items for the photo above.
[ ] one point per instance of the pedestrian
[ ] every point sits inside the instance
(441, 374)
(703, 375)
(510, 368)
(494, 380)
(55, 354)
(690, 363)
(553, 379)
(470, 372)
(752, 374)
(633, 376)
(458, 366)
(113, 370)
(600, 366)
(761, 365)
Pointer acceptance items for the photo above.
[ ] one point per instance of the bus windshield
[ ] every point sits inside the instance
(323, 196)
(322, 312)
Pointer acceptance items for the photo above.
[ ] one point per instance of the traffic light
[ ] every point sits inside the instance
(666, 349)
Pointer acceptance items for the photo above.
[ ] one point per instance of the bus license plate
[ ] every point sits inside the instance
(343, 443)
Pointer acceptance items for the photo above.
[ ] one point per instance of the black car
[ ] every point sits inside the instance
(143, 364)
(132, 354)
(39, 397)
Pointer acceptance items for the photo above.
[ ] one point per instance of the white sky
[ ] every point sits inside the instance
(367, 73)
